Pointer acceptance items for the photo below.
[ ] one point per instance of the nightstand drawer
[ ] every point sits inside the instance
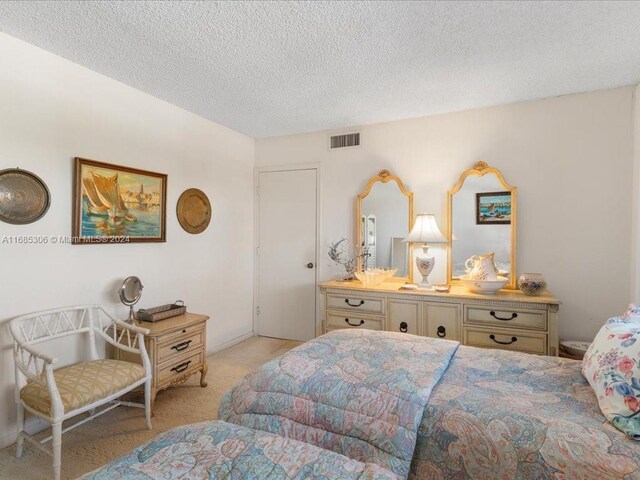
(181, 366)
(530, 342)
(352, 321)
(180, 345)
(356, 303)
(181, 332)
(505, 317)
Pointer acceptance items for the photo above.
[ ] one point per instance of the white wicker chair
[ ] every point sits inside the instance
(57, 395)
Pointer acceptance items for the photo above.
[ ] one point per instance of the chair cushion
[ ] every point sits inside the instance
(83, 383)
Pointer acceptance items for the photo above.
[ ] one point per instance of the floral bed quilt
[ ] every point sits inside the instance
(507, 415)
(360, 393)
(219, 450)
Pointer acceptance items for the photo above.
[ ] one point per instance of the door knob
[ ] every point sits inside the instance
(310, 265)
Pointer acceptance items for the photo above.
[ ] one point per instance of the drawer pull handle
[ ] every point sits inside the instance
(346, 300)
(404, 327)
(353, 324)
(513, 340)
(441, 332)
(181, 346)
(493, 314)
(182, 367)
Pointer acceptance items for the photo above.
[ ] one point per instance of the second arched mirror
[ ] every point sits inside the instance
(482, 219)
(384, 216)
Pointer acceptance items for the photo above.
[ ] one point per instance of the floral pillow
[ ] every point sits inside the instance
(612, 368)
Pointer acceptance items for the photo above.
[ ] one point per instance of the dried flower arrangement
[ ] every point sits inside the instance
(337, 254)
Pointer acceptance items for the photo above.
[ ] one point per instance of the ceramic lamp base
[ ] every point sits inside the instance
(425, 264)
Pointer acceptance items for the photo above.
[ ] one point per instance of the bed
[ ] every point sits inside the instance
(498, 414)
(219, 450)
(492, 414)
(366, 404)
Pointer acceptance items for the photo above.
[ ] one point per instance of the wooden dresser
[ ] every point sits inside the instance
(177, 349)
(508, 320)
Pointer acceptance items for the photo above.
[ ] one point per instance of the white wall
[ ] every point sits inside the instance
(570, 157)
(52, 110)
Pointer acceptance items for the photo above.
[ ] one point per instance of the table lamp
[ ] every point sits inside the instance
(425, 230)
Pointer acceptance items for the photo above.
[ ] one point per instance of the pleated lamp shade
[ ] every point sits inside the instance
(425, 230)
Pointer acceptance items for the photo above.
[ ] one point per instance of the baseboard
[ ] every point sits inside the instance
(32, 425)
(230, 343)
(8, 439)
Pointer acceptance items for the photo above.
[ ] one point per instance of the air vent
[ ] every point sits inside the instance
(347, 140)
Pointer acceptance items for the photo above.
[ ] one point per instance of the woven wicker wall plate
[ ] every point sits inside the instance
(194, 210)
(24, 197)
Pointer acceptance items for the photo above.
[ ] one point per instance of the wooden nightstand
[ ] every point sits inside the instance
(177, 349)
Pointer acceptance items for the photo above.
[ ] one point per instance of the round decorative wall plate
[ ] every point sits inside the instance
(194, 211)
(24, 197)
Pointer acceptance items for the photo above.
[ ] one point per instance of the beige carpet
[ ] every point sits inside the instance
(115, 433)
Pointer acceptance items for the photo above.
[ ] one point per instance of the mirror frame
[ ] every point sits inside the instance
(481, 169)
(133, 280)
(384, 176)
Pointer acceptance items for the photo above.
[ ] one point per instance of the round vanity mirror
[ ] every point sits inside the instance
(130, 293)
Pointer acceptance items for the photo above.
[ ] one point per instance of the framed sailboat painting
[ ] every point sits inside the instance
(116, 204)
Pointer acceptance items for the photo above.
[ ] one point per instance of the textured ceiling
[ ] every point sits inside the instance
(276, 68)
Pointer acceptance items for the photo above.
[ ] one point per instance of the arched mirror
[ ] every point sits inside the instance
(384, 215)
(482, 219)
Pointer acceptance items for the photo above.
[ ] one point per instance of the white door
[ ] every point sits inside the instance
(286, 297)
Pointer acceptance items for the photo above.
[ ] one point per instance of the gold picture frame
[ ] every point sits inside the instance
(117, 204)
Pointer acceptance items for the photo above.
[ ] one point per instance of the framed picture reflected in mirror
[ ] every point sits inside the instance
(493, 208)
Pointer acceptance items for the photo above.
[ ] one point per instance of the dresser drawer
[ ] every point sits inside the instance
(178, 345)
(352, 321)
(530, 342)
(442, 320)
(505, 317)
(407, 325)
(404, 316)
(184, 364)
(356, 303)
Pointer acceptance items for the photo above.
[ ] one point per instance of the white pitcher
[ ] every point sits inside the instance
(482, 267)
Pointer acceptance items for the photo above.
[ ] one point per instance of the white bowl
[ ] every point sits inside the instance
(375, 276)
(484, 286)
